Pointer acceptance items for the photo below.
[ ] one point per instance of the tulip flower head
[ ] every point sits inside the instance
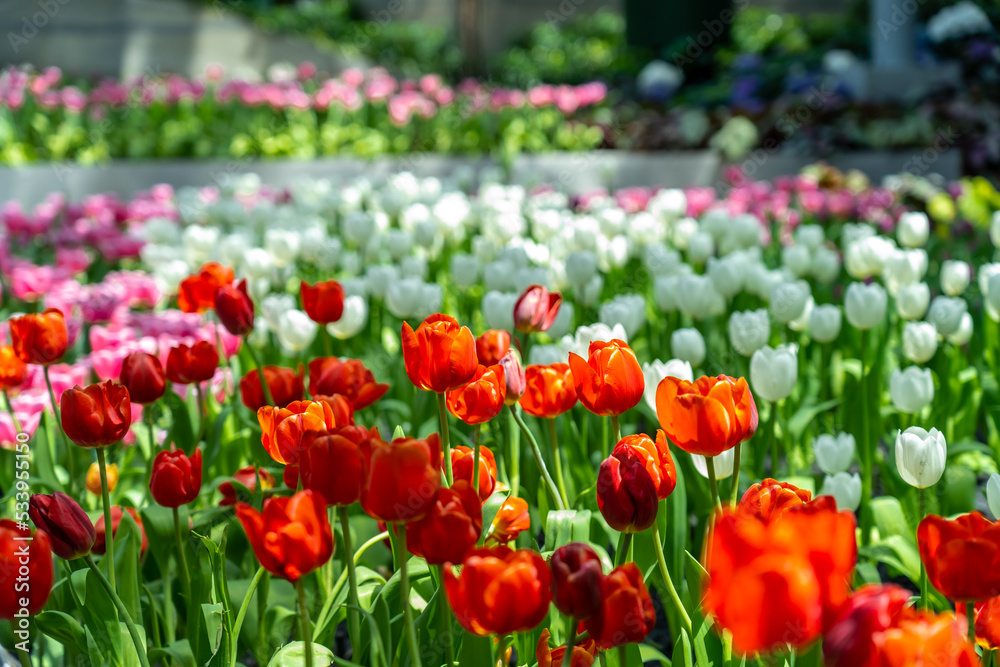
(196, 293)
(770, 498)
(450, 529)
(491, 346)
(176, 477)
(626, 615)
(13, 371)
(512, 519)
(513, 374)
(285, 385)
(481, 398)
(96, 416)
(40, 339)
(549, 391)
(536, 309)
(708, 416)
(610, 381)
(142, 374)
(921, 456)
(93, 479)
(68, 527)
(626, 490)
(440, 355)
(323, 302)
(282, 429)
(347, 377)
(463, 467)
(961, 555)
(234, 308)
(29, 557)
(292, 536)
(400, 479)
(577, 580)
(330, 463)
(247, 478)
(584, 653)
(190, 364)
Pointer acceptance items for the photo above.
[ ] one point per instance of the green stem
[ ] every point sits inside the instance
(502, 645)
(557, 462)
(148, 418)
(265, 588)
(970, 617)
(353, 615)
(140, 649)
(514, 444)
(325, 612)
(182, 559)
(404, 595)
(622, 655)
(70, 464)
(772, 441)
(567, 660)
(546, 477)
(109, 532)
(713, 485)
(624, 544)
(924, 588)
(668, 582)
(446, 625)
(168, 605)
(734, 488)
(300, 589)
(10, 410)
(242, 614)
(445, 437)
(477, 437)
(866, 453)
(260, 373)
(24, 657)
(616, 430)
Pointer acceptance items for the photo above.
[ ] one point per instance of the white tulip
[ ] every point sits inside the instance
(825, 265)
(683, 230)
(801, 323)
(955, 276)
(629, 310)
(774, 371)
(746, 230)
(465, 270)
(200, 243)
(658, 259)
(865, 305)
(921, 456)
(431, 298)
(665, 290)
(993, 495)
(655, 372)
(668, 204)
(797, 259)
(404, 297)
(498, 310)
(789, 299)
(545, 355)
(913, 229)
(689, 345)
(283, 244)
(845, 489)
(696, 295)
(414, 266)
(723, 464)
(296, 330)
(904, 267)
(912, 389)
(233, 247)
(352, 321)
(920, 341)
(912, 301)
(946, 313)
(834, 453)
(591, 292)
(964, 333)
(580, 341)
(727, 274)
(749, 330)
(380, 277)
(581, 266)
(811, 236)
(867, 257)
(991, 293)
(701, 246)
(499, 276)
(825, 322)
(358, 227)
(399, 242)
(350, 263)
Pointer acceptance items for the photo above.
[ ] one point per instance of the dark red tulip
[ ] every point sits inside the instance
(577, 580)
(142, 374)
(323, 302)
(69, 528)
(234, 308)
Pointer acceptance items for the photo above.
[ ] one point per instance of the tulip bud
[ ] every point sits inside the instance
(491, 346)
(94, 478)
(824, 323)
(514, 376)
(834, 453)
(921, 456)
(688, 345)
(993, 494)
(749, 330)
(913, 229)
(626, 493)
(912, 301)
(69, 528)
(845, 489)
(536, 309)
(955, 276)
(865, 305)
(773, 372)
(946, 314)
(912, 389)
(142, 374)
(234, 308)
(920, 341)
(577, 579)
(176, 478)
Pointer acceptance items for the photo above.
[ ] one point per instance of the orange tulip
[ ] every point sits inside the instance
(440, 355)
(549, 390)
(500, 591)
(962, 556)
(627, 613)
(292, 536)
(25, 569)
(926, 638)
(323, 302)
(349, 378)
(451, 528)
(196, 293)
(584, 653)
(769, 498)
(491, 346)
(463, 461)
(481, 398)
(610, 381)
(708, 416)
(13, 371)
(40, 339)
(282, 428)
(511, 520)
(93, 479)
(797, 568)
(400, 479)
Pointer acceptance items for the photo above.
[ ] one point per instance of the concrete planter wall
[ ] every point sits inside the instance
(574, 172)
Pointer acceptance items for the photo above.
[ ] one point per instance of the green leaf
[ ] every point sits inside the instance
(177, 653)
(294, 655)
(214, 627)
(806, 414)
(128, 547)
(685, 650)
(890, 519)
(649, 653)
(476, 650)
(490, 510)
(181, 432)
(565, 526)
(63, 628)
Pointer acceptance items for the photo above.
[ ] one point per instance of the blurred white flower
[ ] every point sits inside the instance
(585, 335)
(749, 330)
(834, 453)
(797, 259)
(810, 236)
(825, 322)
(654, 372)
(727, 274)
(912, 389)
(629, 310)
(789, 299)
(964, 333)
(955, 276)
(825, 265)
(913, 229)
(465, 270)
(581, 267)
(379, 279)
(845, 489)
(688, 345)
(920, 340)
(498, 310)
(296, 331)
(865, 305)
(723, 464)
(946, 312)
(774, 371)
(912, 301)
(352, 321)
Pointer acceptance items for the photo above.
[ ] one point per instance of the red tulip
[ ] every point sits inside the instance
(536, 309)
(499, 591)
(176, 479)
(96, 416)
(548, 390)
(285, 384)
(987, 621)
(481, 398)
(513, 375)
(450, 529)
(708, 416)
(40, 339)
(188, 364)
(234, 308)
(248, 478)
(13, 371)
(511, 521)
(400, 479)
(871, 611)
(626, 491)
(463, 462)
(491, 346)
(323, 302)
(440, 355)
(282, 429)
(196, 293)
(584, 653)
(962, 556)
(116, 518)
(142, 374)
(292, 536)
(25, 569)
(656, 459)
(769, 498)
(577, 580)
(331, 463)
(610, 381)
(626, 615)
(68, 527)
(349, 378)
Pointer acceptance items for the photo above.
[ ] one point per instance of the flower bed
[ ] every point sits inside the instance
(528, 504)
